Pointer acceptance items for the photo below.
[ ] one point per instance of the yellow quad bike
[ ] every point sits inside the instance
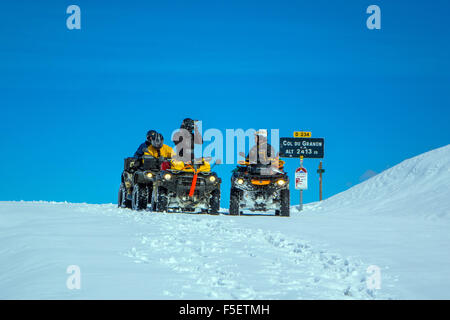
(187, 188)
(137, 182)
(260, 187)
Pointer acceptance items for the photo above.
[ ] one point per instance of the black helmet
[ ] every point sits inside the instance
(150, 135)
(158, 141)
(188, 124)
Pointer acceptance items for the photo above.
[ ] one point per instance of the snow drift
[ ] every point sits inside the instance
(416, 187)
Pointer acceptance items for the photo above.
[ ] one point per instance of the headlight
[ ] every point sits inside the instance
(212, 178)
(167, 176)
(281, 182)
(149, 175)
(240, 181)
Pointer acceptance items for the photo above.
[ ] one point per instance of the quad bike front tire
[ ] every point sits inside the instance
(123, 201)
(139, 197)
(214, 202)
(234, 202)
(162, 200)
(284, 203)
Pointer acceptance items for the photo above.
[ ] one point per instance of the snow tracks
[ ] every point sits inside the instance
(212, 257)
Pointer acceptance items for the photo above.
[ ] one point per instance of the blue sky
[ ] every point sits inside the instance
(75, 103)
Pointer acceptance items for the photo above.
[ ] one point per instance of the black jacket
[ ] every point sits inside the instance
(180, 147)
(261, 153)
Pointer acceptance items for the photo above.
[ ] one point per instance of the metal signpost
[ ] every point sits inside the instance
(320, 171)
(303, 146)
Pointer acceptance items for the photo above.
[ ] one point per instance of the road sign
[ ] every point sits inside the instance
(301, 179)
(306, 147)
(302, 134)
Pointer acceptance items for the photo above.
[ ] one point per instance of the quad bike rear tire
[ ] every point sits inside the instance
(123, 201)
(152, 204)
(234, 202)
(139, 199)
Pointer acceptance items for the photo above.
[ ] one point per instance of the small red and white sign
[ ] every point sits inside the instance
(301, 179)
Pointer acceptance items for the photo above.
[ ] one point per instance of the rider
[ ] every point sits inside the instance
(127, 175)
(185, 139)
(144, 146)
(262, 152)
(157, 148)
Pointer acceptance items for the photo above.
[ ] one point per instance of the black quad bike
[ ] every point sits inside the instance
(187, 190)
(137, 181)
(259, 187)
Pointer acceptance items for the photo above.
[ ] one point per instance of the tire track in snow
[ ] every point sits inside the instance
(214, 258)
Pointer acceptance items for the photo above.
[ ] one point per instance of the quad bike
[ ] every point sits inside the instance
(187, 188)
(259, 187)
(138, 177)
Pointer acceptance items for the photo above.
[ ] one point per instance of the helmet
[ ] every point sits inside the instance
(188, 124)
(261, 133)
(158, 141)
(150, 135)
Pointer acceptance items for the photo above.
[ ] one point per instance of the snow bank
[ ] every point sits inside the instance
(419, 186)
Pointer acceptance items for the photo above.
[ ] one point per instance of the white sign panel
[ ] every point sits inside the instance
(301, 179)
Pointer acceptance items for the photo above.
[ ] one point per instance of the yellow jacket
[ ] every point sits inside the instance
(165, 151)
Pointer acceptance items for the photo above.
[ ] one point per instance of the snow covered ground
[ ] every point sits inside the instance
(398, 220)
